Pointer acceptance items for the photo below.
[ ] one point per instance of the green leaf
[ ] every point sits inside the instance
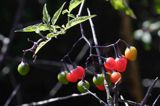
(74, 3)
(46, 17)
(157, 6)
(51, 35)
(129, 12)
(122, 5)
(71, 15)
(65, 11)
(57, 14)
(34, 28)
(77, 20)
(117, 4)
(39, 47)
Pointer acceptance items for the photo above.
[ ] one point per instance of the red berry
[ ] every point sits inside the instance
(100, 87)
(71, 77)
(79, 72)
(121, 64)
(110, 64)
(115, 77)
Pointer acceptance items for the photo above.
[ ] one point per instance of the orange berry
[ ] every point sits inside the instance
(131, 53)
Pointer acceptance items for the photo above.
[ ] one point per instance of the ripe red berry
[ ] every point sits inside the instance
(71, 77)
(121, 64)
(110, 63)
(100, 87)
(115, 77)
(79, 72)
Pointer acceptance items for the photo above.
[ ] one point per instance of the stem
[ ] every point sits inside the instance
(14, 92)
(148, 92)
(154, 103)
(54, 99)
(99, 59)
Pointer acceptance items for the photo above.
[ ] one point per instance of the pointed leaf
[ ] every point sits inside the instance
(71, 15)
(34, 28)
(74, 3)
(78, 20)
(42, 44)
(46, 16)
(57, 14)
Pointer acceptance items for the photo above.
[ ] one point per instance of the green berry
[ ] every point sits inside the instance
(98, 79)
(23, 68)
(82, 85)
(62, 77)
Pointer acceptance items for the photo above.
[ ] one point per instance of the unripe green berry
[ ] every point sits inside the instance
(62, 77)
(23, 68)
(82, 85)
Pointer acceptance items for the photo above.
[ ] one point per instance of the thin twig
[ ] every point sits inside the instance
(94, 95)
(143, 102)
(43, 102)
(122, 98)
(98, 53)
(14, 92)
(154, 103)
(129, 102)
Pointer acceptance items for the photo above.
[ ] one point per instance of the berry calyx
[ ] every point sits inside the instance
(62, 77)
(82, 86)
(115, 77)
(110, 63)
(98, 79)
(23, 68)
(121, 64)
(131, 53)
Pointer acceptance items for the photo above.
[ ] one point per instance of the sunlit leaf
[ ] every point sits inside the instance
(157, 6)
(65, 11)
(42, 44)
(34, 28)
(74, 3)
(71, 15)
(46, 17)
(57, 14)
(78, 20)
(122, 5)
(51, 35)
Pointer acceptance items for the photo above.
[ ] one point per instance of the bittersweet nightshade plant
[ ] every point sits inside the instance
(111, 70)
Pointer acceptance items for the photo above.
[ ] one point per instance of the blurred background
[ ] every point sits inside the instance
(110, 25)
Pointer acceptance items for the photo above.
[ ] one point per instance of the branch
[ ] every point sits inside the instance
(14, 92)
(12, 34)
(154, 103)
(148, 92)
(129, 102)
(54, 99)
(94, 95)
(99, 59)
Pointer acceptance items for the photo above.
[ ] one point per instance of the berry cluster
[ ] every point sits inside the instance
(114, 67)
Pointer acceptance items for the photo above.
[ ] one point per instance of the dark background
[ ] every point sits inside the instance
(42, 78)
